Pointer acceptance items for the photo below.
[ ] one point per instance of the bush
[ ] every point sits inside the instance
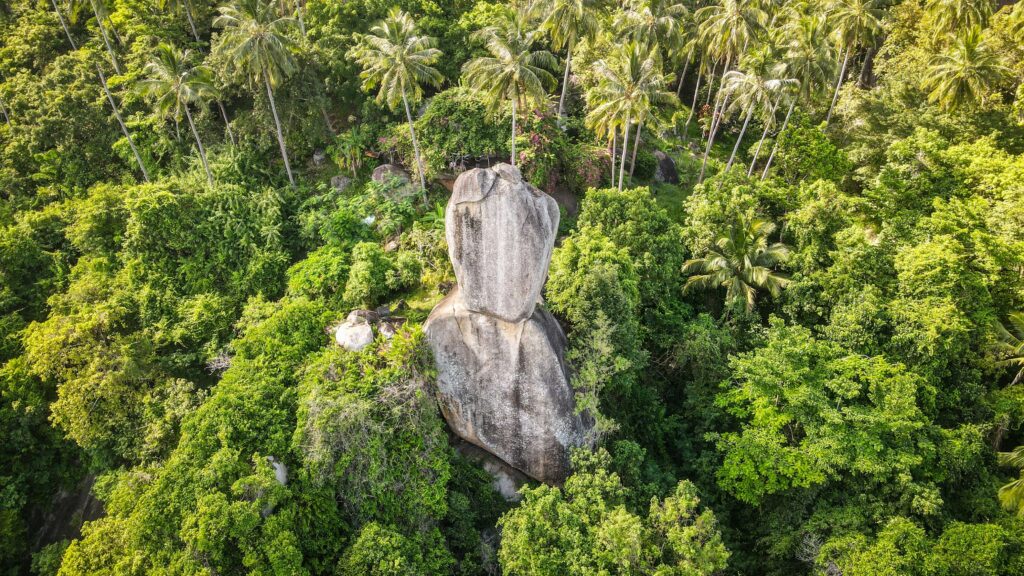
(645, 165)
(454, 128)
(406, 272)
(322, 274)
(806, 153)
(367, 278)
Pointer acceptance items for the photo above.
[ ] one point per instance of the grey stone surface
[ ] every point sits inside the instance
(504, 387)
(500, 233)
(666, 168)
(340, 183)
(507, 480)
(353, 336)
(384, 171)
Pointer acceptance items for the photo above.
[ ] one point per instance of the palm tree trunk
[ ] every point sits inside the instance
(693, 108)
(867, 75)
(199, 144)
(64, 25)
(415, 147)
(614, 137)
(3, 109)
(120, 122)
(106, 39)
(682, 77)
(625, 148)
(224, 114)
(715, 114)
(764, 134)
(839, 84)
(298, 14)
(636, 146)
(711, 139)
(513, 131)
(113, 30)
(775, 146)
(191, 22)
(711, 83)
(739, 139)
(565, 83)
(277, 124)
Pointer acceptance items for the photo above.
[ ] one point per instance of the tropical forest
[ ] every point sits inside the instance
(512, 287)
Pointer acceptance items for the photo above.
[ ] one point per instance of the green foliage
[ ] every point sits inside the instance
(452, 130)
(585, 528)
(322, 275)
(591, 277)
(902, 547)
(381, 551)
(632, 219)
(805, 153)
(815, 414)
(368, 277)
(168, 337)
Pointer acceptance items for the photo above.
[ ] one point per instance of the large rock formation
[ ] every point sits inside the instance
(502, 380)
(500, 234)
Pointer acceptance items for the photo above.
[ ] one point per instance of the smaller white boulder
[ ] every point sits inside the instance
(353, 335)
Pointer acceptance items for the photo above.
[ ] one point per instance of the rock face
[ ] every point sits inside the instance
(353, 336)
(340, 183)
(502, 380)
(666, 169)
(500, 234)
(385, 171)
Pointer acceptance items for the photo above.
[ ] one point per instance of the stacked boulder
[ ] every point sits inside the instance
(502, 380)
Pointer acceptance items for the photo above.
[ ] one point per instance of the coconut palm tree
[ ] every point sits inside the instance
(256, 43)
(956, 15)
(809, 61)
(654, 22)
(750, 91)
(568, 22)
(174, 85)
(630, 84)
(216, 94)
(1011, 494)
(965, 72)
(742, 262)
(514, 71)
(856, 23)
(768, 62)
(186, 7)
(701, 69)
(396, 58)
(808, 54)
(1017, 22)
(785, 92)
(100, 12)
(1011, 345)
(726, 30)
(604, 119)
(106, 91)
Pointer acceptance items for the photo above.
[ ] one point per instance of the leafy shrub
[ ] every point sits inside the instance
(646, 164)
(632, 219)
(368, 276)
(406, 272)
(585, 528)
(322, 274)
(454, 128)
(806, 153)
